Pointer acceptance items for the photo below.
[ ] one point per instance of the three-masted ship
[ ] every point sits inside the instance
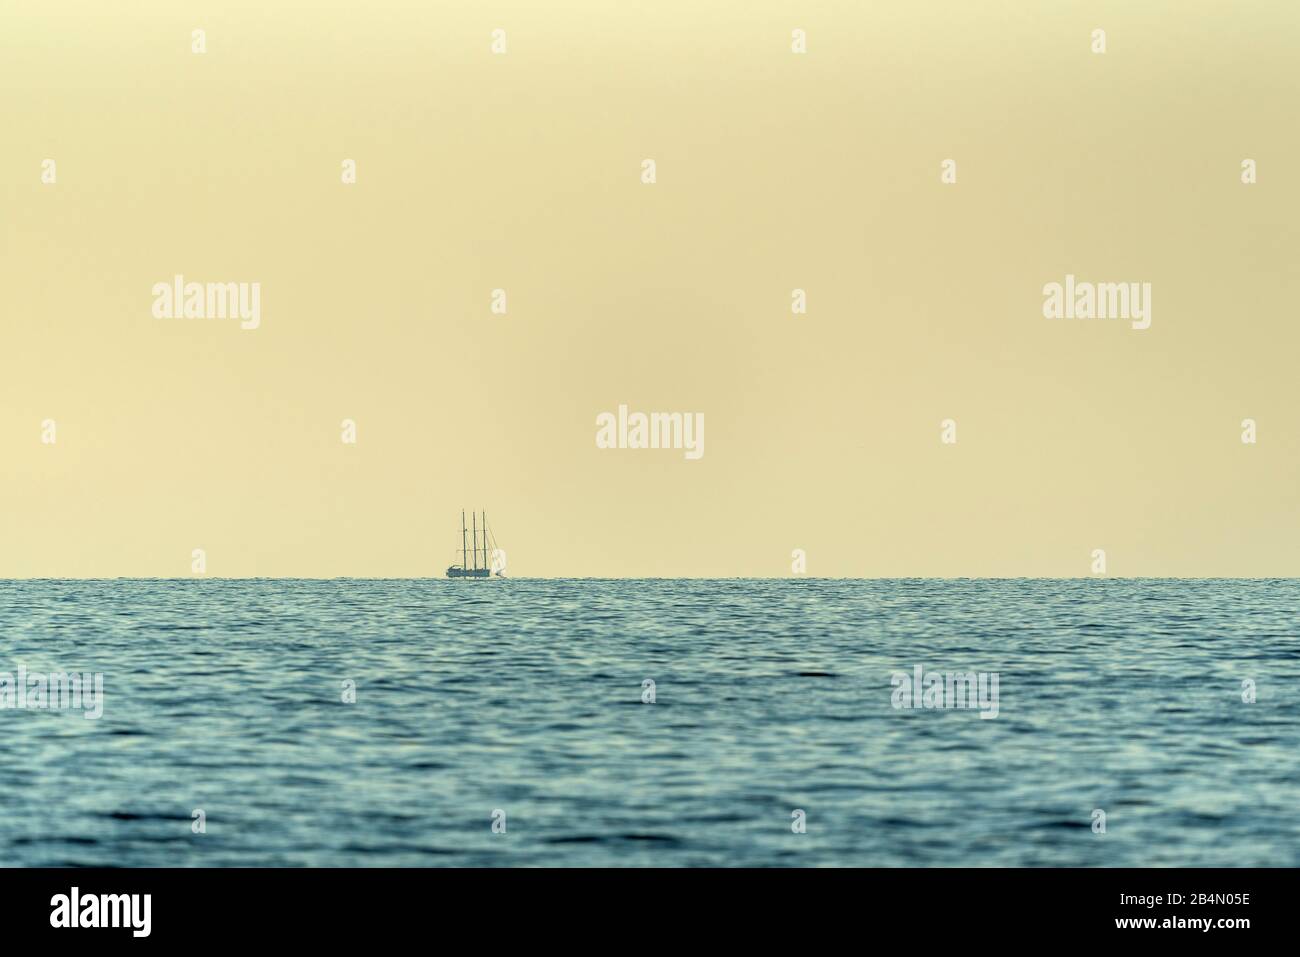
(476, 561)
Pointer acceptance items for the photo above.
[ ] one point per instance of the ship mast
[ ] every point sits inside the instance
(486, 565)
(474, 520)
(463, 544)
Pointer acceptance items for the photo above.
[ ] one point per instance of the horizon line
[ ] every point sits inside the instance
(603, 578)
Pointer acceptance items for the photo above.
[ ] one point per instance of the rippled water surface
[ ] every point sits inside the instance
(770, 696)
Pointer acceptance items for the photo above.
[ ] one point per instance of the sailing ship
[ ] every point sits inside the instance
(476, 561)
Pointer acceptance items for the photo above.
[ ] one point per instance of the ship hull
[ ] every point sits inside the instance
(458, 572)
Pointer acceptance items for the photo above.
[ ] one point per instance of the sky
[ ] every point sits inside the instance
(774, 171)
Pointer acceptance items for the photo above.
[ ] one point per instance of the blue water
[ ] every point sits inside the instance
(770, 697)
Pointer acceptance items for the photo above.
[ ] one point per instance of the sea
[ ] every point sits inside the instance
(661, 723)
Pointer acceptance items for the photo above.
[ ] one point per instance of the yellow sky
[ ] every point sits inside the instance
(775, 171)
